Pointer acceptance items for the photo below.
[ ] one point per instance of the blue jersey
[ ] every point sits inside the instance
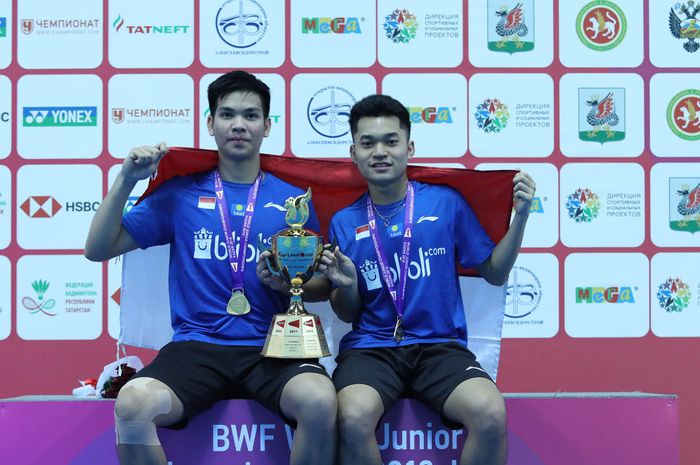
(182, 212)
(445, 232)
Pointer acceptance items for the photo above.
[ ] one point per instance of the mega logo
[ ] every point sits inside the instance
(601, 25)
(39, 305)
(330, 25)
(328, 111)
(583, 205)
(400, 26)
(241, 23)
(59, 116)
(118, 24)
(510, 26)
(492, 115)
(684, 206)
(430, 115)
(601, 115)
(523, 294)
(601, 295)
(683, 114)
(673, 295)
(536, 205)
(684, 24)
(3, 27)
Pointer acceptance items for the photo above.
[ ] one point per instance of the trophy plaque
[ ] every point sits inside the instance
(295, 255)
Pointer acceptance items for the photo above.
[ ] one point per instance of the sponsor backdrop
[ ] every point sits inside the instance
(599, 100)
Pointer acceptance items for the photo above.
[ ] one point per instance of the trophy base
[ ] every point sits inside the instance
(296, 336)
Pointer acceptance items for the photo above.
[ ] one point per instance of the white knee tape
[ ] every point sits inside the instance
(139, 404)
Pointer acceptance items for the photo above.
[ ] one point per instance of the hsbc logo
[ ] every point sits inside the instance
(4, 116)
(46, 206)
(40, 206)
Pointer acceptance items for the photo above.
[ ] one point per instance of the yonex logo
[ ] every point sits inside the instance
(59, 116)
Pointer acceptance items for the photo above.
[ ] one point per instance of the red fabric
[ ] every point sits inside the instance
(336, 184)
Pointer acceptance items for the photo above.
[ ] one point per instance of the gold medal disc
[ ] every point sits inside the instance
(238, 304)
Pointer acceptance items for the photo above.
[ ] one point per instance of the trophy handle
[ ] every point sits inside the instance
(263, 248)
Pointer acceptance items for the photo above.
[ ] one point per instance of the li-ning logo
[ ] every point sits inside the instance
(400, 26)
(523, 294)
(673, 295)
(492, 115)
(328, 111)
(241, 23)
(606, 111)
(687, 28)
(583, 205)
(59, 116)
(683, 114)
(601, 25)
(40, 206)
(511, 29)
(39, 305)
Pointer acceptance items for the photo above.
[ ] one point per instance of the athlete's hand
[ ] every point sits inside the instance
(143, 161)
(523, 193)
(338, 268)
(266, 276)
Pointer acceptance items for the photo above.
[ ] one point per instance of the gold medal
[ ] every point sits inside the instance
(238, 304)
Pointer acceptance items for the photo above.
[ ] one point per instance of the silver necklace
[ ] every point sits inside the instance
(387, 219)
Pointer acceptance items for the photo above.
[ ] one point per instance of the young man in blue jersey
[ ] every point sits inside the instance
(222, 298)
(409, 336)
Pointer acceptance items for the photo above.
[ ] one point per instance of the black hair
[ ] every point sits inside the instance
(379, 105)
(238, 81)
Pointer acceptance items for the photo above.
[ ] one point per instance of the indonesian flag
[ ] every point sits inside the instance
(145, 311)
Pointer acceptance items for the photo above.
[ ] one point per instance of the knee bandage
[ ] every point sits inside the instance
(140, 402)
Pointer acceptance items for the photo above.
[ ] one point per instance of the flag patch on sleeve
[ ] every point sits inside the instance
(361, 232)
(207, 203)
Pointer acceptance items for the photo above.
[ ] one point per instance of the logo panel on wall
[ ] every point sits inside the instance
(511, 26)
(601, 25)
(684, 24)
(684, 204)
(683, 114)
(601, 114)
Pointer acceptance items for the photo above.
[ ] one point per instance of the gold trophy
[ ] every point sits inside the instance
(295, 255)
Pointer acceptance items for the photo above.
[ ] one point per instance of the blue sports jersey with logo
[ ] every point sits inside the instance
(445, 232)
(182, 212)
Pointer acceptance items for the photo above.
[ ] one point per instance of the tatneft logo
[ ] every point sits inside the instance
(151, 115)
(60, 26)
(208, 245)
(684, 214)
(583, 205)
(119, 25)
(39, 305)
(673, 295)
(416, 269)
(683, 114)
(601, 295)
(241, 23)
(492, 115)
(328, 111)
(512, 24)
(46, 206)
(684, 24)
(3, 27)
(331, 25)
(601, 25)
(59, 116)
(430, 115)
(523, 294)
(400, 26)
(602, 123)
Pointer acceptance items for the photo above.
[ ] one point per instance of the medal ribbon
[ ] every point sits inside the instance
(396, 298)
(236, 260)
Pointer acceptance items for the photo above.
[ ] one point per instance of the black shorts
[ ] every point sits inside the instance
(427, 372)
(202, 374)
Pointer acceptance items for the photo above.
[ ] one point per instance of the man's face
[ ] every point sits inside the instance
(238, 126)
(381, 149)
